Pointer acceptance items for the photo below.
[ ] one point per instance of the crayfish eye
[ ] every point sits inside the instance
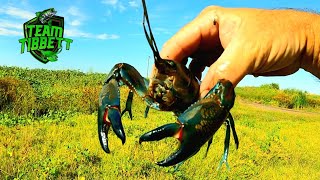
(171, 64)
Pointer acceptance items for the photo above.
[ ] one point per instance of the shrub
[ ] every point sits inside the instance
(284, 100)
(89, 98)
(53, 90)
(271, 94)
(315, 103)
(271, 86)
(298, 98)
(16, 96)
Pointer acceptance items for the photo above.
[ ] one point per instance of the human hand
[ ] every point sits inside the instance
(235, 42)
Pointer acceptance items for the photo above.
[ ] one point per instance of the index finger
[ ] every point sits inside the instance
(189, 38)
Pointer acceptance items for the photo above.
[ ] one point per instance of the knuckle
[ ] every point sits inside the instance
(208, 9)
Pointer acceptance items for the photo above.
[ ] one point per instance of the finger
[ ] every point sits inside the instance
(199, 31)
(235, 62)
(203, 59)
(281, 72)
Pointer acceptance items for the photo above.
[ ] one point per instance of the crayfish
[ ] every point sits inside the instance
(173, 88)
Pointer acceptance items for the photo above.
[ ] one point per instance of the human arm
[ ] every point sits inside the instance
(235, 42)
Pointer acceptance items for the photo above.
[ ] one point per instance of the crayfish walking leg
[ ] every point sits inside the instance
(128, 104)
(229, 122)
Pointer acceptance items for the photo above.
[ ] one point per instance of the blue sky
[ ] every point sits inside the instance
(106, 32)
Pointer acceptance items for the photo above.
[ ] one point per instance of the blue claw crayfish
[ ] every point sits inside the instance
(173, 88)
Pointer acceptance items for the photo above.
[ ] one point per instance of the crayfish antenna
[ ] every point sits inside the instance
(149, 36)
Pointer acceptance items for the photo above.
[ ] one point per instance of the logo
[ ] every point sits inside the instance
(43, 36)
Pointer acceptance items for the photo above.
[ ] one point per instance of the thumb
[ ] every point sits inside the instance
(233, 65)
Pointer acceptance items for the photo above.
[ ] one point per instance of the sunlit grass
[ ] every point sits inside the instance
(274, 144)
(270, 94)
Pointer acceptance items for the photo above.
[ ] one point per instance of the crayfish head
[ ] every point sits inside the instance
(173, 86)
(166, 66)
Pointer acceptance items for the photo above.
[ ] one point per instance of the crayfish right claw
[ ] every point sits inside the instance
(186, 149)
(198, 124)
(160, 132)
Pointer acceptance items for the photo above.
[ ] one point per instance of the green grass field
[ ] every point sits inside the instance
(48, 130)
(274, 144)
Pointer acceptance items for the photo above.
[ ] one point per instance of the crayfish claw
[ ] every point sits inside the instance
(115, 118)
(185, 151)
(160, 132)
(198, 124)
(103, 137)
(109, 114)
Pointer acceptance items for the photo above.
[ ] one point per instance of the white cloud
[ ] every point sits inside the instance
(115, 4)
(17, 12)
(121, 7)
(81, 34)
(110, 2)
(14, 25)
(133, 4)
(107, 36)
(74, 11)
(75, 22)
(161, 30)
(10, 24)
(11, 28)
(9, 32)
(76, 33)
(75, 16)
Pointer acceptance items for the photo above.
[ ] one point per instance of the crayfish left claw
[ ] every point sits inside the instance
(109, 114)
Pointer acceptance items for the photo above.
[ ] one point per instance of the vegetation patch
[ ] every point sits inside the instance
(48, 130)
(271, 94)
